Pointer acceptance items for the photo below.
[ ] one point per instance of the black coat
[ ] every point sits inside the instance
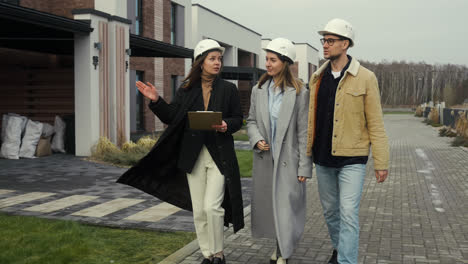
(162, 172)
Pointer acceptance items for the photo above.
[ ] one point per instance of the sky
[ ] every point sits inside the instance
(430, 31)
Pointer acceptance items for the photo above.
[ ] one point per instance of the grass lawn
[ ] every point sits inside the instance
(241, 135)
(34, 240)
(244, 157)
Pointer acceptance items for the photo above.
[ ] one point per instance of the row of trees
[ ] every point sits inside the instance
(410, 84)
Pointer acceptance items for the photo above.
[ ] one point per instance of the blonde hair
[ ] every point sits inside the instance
(285, 78)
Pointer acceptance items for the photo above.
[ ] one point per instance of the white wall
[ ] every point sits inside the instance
(261, 59)
(187, 4)
(86, 89)
(87, 96)
(112, 7)
(305, 54)
(207, 24)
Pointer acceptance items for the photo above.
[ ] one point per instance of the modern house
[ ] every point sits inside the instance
(242, 48)
(78, 58)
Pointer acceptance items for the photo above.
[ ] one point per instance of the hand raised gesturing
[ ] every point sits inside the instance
(148, 90)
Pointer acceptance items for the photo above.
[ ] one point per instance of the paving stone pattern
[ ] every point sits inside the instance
(64, 176)
(419, 215)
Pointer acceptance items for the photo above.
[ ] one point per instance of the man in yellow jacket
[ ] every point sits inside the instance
(345, 122)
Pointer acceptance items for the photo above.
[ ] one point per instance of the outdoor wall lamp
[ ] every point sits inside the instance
(98, 45)
(95, 61)
(128, 51)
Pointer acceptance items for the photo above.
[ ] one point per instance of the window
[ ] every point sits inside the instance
(134, 13)
(175, 83)
(140, 117)
(177, 24)
(312, 69)
(173, 23)
(138, 20)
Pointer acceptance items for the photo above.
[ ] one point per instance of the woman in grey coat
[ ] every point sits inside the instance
(277, 128)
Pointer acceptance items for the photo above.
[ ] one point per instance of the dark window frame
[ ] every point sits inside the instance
(173, 23)
(174, 85)
(140, 104)
(138, 17)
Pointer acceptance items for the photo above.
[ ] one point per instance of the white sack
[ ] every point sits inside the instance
(11, 145)
(47, 130)
(23, 123)
(58, 141)
(4, 124)
(31, 137)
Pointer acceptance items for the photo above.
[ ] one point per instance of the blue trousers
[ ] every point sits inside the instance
(340, 192)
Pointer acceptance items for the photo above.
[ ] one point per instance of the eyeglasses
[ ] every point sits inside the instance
(330, 41)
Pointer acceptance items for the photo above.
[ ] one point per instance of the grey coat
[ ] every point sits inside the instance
(278, 198)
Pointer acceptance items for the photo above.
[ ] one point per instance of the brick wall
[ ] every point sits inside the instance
(245, 89)
(145, 65)
(148, 16)
(152, 17)
(245, 59)
(57, 7)
(172, 66)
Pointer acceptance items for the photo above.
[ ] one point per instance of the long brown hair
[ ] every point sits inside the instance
(196, 71)
(285, 78)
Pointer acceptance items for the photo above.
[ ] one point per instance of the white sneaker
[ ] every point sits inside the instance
(281, 261)
(273, 257)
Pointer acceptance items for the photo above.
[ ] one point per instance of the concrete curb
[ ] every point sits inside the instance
(191, 247)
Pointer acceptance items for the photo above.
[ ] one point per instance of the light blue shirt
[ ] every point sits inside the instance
(275, 97)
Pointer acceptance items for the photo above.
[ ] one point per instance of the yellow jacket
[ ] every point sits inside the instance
(358, 119)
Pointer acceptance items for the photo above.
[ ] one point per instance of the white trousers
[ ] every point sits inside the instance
(206, 185)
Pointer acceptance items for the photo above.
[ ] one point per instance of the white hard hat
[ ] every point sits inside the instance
(339, 27)
(205, 45)
(283, 47)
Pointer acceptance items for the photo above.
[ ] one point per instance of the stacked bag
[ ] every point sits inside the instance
(24, 138)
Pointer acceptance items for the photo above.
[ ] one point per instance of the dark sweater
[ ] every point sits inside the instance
(324, 123)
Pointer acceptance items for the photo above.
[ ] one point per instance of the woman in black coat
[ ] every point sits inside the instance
(193, 169)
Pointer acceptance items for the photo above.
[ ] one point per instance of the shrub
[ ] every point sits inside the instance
(462, 125)
(129, 146)
(129, 155)
(147, 142)
(447, 132)
(434, 115)
(103, 147)
(460, 141)
(419, 111)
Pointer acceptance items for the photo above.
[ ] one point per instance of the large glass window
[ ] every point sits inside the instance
(173, 23)
(177, 24)
(140, 117)
(138, 18)
(176, 81)
(134, 13)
